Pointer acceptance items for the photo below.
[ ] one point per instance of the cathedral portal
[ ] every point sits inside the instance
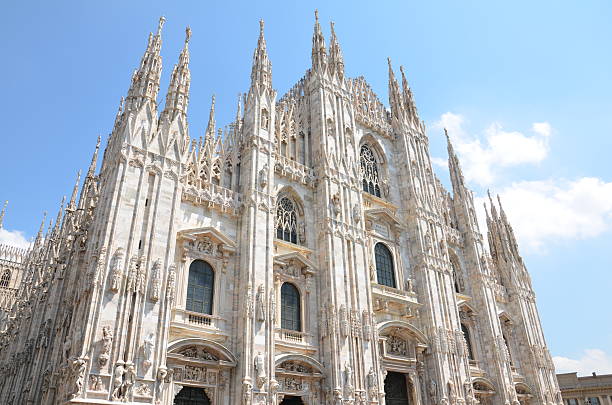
(289, 400)
(191, 396)
(396, 389)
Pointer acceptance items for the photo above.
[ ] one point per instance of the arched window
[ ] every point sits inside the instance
(6, 278)
(369, 171)
(286, 220)
(384, 265)
(468, 341)
(290, 308)
(200, 287)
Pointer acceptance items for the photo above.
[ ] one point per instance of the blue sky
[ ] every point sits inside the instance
(523, 88)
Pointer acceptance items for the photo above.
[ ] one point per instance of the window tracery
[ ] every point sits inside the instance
(286, 220)
(369, 171)
(6, 278)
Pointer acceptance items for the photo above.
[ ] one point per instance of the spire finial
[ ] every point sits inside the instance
(2, 213)
(261, 26)
(187, 34)
(210, 129)
(316, 15)
(75, 191)
(160, 25)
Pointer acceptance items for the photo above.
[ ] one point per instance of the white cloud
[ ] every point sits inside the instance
(13, 238)
(481, 157)
(592, 360)
(439, 162)
(555, 210)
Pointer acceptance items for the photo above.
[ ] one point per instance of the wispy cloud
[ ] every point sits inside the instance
(13, 238)
(482, 156)
(592, 360)
(557, 209)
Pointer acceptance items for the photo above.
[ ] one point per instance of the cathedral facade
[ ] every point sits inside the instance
(305, 255)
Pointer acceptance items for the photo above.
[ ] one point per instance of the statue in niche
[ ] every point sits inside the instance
(263, 176)
(260, 370)
(128, 382)
(371, 379)
(451, 391)
(79, 366)
(147, 350)
(433, 390)
(348, 375)
(162, 373)
(356, 214)
(336, 204)
(261, 309)
(118, 381)
(409, 285)
(117, 270)
(107, 343)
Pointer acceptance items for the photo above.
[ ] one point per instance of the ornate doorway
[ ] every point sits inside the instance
(191, 396)
(396, 389)
(290, 400)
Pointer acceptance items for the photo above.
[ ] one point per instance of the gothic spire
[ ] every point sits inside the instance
(39, 235)
(210, 128)
(177, 97)
(395, 99)
(75, 192)
(2, 213)
(60, 213)
(145, 81)
(261, 72)
(319, 55)
(408, 98)
(94, 160)
(336, 61)
(454, 167)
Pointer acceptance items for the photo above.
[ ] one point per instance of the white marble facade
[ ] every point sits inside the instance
(306, 254)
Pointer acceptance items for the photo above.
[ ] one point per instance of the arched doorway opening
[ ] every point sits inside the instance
(396, 389)
(291, 400)
(191, 396)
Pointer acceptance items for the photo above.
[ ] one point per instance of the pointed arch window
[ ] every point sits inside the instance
(384, 265)
(200, 287)
(369, 171)
(286, 220)
(6, 278)
(468, 341)
(290, 308)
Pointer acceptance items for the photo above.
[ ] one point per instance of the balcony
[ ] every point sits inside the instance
(294, 170)
(294, 339)
(395, 301)
(189, 322)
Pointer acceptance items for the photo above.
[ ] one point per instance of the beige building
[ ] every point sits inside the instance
(589, 390)
(307, 254)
